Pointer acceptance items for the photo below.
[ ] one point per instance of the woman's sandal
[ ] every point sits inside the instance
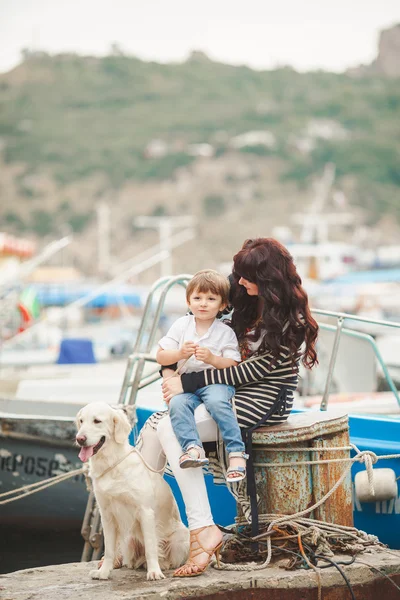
(193, 457)
(196, 551)
(238, 473)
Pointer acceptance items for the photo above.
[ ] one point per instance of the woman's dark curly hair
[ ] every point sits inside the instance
(286, 318)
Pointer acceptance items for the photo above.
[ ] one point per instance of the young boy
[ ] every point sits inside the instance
(197, 342)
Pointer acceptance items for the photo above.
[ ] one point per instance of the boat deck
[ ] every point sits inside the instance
(73, 581)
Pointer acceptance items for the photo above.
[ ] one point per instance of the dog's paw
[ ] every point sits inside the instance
(99, 574)
(155, 574)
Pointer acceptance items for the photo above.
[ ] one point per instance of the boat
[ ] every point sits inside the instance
(36, 437)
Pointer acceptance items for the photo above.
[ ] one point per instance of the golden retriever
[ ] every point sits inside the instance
(138, 511)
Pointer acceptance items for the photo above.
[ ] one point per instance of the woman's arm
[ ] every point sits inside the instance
(245, 372)
(219, 362)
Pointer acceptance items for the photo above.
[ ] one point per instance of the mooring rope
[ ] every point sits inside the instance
(320, 529)
(38, 486)
(367, 457)
(27, 490)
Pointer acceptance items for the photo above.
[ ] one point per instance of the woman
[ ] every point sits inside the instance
(275, 329)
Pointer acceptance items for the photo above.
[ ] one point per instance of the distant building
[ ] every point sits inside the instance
(253, 138)
(156, 149)
(318, 129)
(205, 150)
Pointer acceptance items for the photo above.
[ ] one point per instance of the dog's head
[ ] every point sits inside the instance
(97, 424)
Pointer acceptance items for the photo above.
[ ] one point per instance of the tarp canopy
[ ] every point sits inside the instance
(76, 351)
(61, 295)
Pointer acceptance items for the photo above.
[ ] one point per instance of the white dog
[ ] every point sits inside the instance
(138, 511)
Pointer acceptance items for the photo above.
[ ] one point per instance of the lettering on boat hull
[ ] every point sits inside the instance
(42, 467)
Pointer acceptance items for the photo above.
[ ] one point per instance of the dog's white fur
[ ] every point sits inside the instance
(138, 511)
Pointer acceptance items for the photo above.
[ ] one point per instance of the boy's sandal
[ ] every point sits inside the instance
(193, 457)
(235, 474)
(238, 473)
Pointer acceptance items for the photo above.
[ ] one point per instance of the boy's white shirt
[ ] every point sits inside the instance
(220, 339)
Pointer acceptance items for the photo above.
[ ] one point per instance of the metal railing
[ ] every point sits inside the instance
(133, 378)
(341, 317)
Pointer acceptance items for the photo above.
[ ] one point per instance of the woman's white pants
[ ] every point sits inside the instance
(161, 443)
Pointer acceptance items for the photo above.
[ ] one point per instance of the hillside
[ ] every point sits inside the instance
(167, 139)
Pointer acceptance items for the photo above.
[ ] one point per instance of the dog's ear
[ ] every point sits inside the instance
(122, 427)
(77, 418)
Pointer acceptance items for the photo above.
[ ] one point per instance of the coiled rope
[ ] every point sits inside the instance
(320, 530)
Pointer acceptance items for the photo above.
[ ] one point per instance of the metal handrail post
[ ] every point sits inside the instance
(147, 310)
(324, 402)
(181, 280)
(131, 380)
(387, 375)
(370, 340)
(168, 283)
(127, 378)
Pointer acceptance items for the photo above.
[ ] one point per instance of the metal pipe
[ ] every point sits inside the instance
(178, 279)
(151, 378)
(167, 284)
(127, 378)
(331, 313)
(367, 337)
(130, 380)
(324, 403)
(146, 311)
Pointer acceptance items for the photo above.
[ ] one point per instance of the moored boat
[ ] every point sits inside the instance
(36, 446)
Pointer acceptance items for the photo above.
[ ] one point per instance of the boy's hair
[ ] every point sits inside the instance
(209, 280)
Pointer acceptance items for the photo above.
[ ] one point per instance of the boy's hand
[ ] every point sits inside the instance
(188, 349)
(204, 354)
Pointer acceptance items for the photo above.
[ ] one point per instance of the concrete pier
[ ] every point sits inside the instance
(73, 581)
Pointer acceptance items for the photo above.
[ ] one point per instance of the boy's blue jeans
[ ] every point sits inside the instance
(216, 398)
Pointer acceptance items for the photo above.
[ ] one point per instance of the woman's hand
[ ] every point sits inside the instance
(171, 387)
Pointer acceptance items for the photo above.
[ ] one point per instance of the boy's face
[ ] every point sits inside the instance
(205, 305)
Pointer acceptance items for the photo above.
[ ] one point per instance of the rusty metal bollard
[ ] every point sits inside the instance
(290, 489)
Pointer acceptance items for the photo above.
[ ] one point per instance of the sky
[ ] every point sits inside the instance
(306, 34)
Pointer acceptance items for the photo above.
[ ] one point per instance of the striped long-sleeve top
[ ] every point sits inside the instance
(258, 382)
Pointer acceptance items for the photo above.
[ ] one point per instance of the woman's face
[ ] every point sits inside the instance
(251, 288)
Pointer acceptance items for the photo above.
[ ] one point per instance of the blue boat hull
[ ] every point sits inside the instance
(63, 505)
(382, 436)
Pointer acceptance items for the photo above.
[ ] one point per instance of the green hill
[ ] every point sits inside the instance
(73, 118)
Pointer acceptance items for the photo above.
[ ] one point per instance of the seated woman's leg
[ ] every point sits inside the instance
(204, 534)
(150, 448)
(191, 481)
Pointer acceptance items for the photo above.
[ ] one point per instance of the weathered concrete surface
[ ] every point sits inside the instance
(73, 581)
